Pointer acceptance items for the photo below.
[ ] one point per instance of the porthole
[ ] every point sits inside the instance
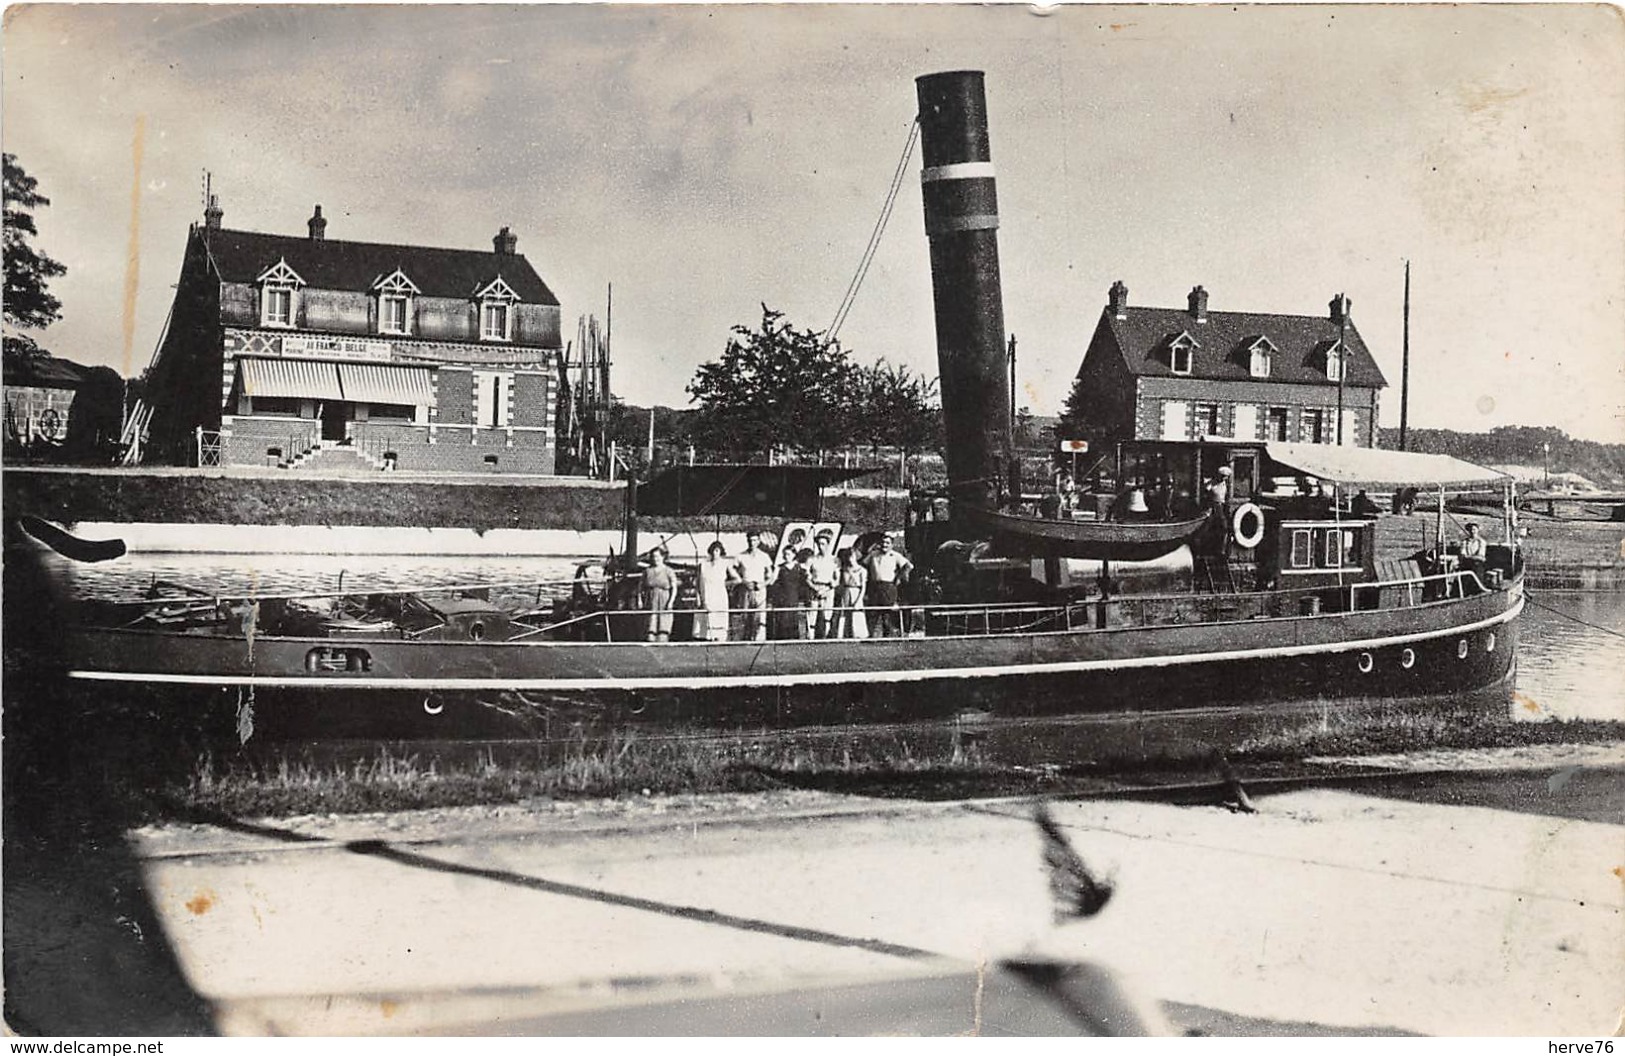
(1461, 649)
(1366, 663)
(476, 631)
(1407, 659)
(1489, 643)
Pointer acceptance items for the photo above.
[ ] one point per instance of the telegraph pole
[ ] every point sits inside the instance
(1405, 366)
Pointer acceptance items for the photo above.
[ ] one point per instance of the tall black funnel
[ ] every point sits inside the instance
(962, 222)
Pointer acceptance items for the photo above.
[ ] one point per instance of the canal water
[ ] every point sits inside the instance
(1571, 661)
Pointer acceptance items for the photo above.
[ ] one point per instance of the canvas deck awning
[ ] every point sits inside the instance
(296, 378)
(376, 383)
(1368, 467)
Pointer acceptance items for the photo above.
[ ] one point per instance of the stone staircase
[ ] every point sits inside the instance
(336, 459)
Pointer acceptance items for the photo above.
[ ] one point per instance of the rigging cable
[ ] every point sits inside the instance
(1569, 615)
(869, 251)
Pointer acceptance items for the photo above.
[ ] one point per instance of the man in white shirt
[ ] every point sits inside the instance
(823, 571)
(755, 567)
(886, 566)
(1472, 553)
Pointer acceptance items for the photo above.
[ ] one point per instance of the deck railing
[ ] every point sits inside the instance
(912, 620)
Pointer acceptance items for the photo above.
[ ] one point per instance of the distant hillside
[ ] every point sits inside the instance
(1603, 464)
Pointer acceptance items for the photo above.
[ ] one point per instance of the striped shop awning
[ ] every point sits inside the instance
(375, 383)
(299, 378)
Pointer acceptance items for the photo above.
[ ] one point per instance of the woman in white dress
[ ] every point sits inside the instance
(717, 574)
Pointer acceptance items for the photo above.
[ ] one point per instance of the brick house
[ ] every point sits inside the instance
(357, 355)
(1186, 374)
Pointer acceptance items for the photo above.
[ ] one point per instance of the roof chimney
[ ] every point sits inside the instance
(318, 226)
(1198, 303)
(212, 214)
(1117, 299)
(1340, 308)
(505, 241)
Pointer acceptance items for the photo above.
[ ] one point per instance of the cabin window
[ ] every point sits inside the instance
(1303, 555)
(1340, 549)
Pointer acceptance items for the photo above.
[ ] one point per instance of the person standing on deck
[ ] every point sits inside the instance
(754, 568)
(659, 585)
(717, 573)
(822, 572)
(1218, 498)
(851, 581)
(790, 597)
(886, 566)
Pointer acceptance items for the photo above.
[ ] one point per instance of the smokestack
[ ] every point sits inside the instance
(318, 226)
(962, 221)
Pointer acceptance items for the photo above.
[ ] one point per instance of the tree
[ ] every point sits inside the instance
(28, 303)
(776, 386)
(898, 409)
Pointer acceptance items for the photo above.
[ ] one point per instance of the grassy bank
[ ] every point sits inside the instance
(280, 781)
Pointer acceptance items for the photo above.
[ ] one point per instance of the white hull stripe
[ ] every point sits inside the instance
(803, 679)
(964, 170)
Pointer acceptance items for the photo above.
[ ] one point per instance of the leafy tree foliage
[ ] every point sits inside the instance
(898, 408)
(776, 385)
(28, 302)
(779, 386)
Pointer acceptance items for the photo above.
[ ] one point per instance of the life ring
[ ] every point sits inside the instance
(1247, 535)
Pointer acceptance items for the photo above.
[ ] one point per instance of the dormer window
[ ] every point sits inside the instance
(279, 295)
(1334, 362)
(1258, 357)
(496, 301)
(395, 292)
(1181, 353)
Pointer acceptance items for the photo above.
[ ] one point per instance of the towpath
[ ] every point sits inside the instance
(1463, 904)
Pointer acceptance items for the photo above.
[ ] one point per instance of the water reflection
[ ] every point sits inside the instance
(1568, 668)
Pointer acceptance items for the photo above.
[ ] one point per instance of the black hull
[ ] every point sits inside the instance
(1448, 653)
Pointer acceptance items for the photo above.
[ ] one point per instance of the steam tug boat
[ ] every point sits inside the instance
(1284, 596)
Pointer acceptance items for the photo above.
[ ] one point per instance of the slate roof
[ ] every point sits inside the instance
(332, 264)
(1225, 337)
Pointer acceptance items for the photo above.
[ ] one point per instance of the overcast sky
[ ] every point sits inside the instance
(705, 160)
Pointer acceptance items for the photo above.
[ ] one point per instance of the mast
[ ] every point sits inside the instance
(1405, 365)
